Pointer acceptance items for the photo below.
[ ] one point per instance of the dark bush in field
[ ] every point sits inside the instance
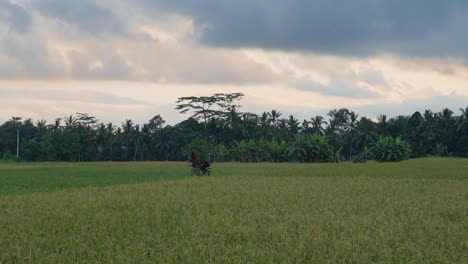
(199, 154)
(199, 167)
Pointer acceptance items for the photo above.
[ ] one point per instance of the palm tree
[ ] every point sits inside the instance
(383, 126)
(274, 116)
(127, 128)
(365, 133)
(293, 125)
(352, 124)
(265, 124)
(164, 143)
(446, 123)
(463, 122)
(317, 124)
(70, 121)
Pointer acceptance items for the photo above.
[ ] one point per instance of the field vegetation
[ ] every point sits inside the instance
(410, 212)
(234, 135)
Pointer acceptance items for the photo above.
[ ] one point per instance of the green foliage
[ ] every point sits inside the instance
(337, 157)
(200, 147)
(32, 150)
(246, 137)
(277, 150)
(240, 150)
(311, 148)
(440, 150)
(390, 150)
(9, 157)
(221, 153)
(363, 157)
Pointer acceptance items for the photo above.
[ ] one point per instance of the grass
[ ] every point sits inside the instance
(411, 212)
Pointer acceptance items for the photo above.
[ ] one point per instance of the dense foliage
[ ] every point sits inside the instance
(390, 149)
(233, 135)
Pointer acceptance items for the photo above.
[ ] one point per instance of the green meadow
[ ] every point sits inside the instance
(410, 212)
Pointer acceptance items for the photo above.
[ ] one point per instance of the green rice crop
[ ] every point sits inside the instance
(410, 212)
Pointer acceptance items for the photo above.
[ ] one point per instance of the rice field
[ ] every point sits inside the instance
(411, 212)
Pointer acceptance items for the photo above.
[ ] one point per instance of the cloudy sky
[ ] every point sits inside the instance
(134, 58)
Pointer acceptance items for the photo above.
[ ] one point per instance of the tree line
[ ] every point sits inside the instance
(219, 121)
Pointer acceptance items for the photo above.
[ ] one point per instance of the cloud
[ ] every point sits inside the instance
(338, 88)
(15, 17)
(296, 55)
(64, 96)
(356, 28)
(86, 15)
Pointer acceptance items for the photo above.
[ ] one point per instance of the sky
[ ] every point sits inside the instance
(134, 58)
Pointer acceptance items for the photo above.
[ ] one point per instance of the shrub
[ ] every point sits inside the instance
(220, 153)
(199, 167)
(363, 157)
(277, 150)
(198, 152)
(390, 150)
(9, 157)
(311, 148)
(200, 147)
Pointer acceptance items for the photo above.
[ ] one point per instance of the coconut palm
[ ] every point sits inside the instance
(383, 126)
(463, 122)
(318, 122)
(365, 133)
(274, 116)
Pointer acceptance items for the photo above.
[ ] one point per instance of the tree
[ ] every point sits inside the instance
(207, 107)
(318, 122)
(463, 122)
(155, 124)
(274, 116)
(446, 124)
(293, 125)
(247, 137)
(383, 126)
(365, 133)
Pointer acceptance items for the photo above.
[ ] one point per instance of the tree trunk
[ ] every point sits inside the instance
(136, 152)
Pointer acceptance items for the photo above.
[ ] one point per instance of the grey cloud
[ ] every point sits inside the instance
(359, 27)
(15, 16)
(30, 51)
(338, 88)
(113, 65)
(373, 78)
(87, 15)
(84, 96)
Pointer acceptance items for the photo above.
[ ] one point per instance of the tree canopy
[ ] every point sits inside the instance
(233, 134)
